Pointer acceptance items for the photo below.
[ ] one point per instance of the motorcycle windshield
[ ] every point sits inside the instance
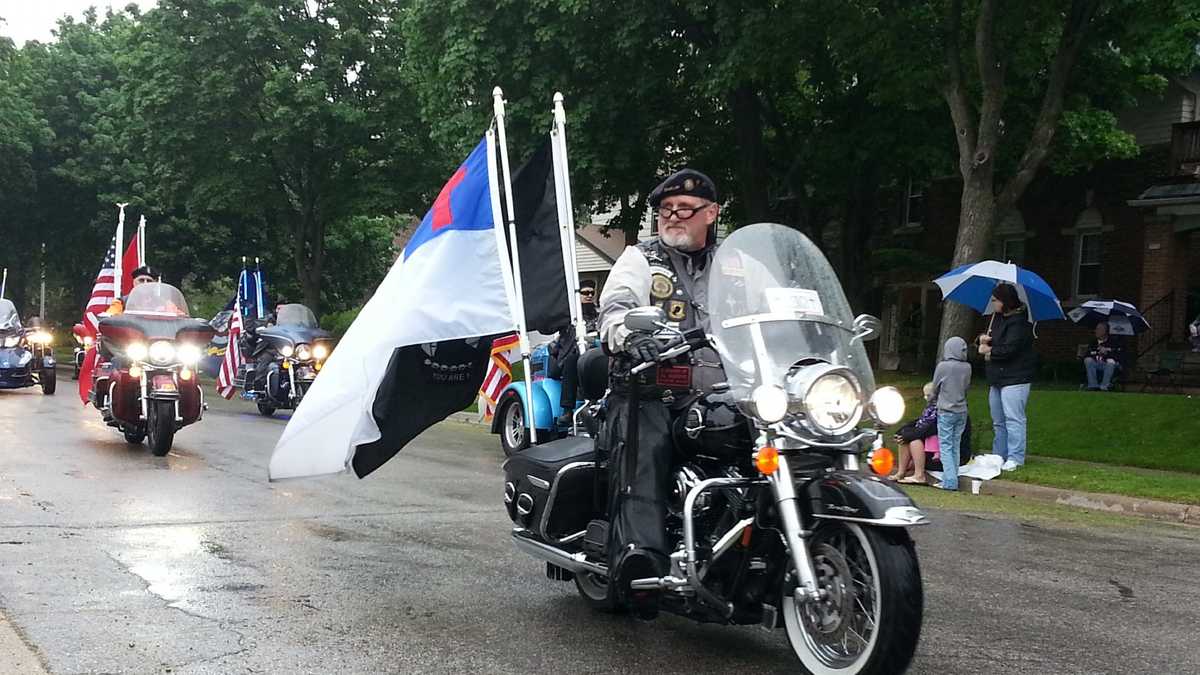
(295, 315)
(774, 302)
(8, 315)
(157, 300)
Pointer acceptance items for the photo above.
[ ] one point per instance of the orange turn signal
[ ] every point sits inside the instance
(767, 460)
(881, 461)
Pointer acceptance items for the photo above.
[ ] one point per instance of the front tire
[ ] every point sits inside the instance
(160, 427)
(135, 437)
(265, 409)
(870, 621)
(514, 436)
(49, 380)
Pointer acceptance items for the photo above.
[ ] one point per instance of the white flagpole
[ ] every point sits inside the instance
(4, 282)
(42, 313)
(566, 218)
(141, 252)
(119, 253)
(498, 226)
(522, 330)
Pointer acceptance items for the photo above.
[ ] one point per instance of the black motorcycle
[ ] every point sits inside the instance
(282, 360)
(775, 518)
(26, 358)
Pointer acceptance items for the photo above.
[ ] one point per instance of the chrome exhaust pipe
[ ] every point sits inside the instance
(574, 562)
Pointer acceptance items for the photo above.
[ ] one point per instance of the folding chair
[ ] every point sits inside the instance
(1169, 365)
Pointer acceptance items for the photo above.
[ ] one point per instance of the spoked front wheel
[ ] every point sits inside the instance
(869, 619)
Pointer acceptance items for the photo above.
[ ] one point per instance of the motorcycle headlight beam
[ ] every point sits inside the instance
(287, 350)
(887, 406)
(319, 352)
(137, 351)
(303, 353)
(189, 355)
(162, 352)
(770, 403)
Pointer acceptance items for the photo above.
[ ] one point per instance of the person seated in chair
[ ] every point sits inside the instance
(1104, 357)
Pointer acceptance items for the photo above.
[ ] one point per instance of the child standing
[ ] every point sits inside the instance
(951, 379)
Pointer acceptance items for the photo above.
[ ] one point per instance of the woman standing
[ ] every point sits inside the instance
(1011, 363)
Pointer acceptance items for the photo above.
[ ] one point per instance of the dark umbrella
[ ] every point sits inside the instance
(1122, 317)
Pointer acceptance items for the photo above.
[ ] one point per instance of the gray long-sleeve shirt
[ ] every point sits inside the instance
(952, 377)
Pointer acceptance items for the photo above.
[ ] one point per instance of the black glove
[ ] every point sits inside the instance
(642, 347)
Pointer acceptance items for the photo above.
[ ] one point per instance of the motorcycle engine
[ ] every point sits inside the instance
(687, 477)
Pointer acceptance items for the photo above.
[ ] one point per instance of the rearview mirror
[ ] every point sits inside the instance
(645, 319)
(866, 328)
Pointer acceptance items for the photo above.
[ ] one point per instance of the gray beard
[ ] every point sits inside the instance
(681, 241)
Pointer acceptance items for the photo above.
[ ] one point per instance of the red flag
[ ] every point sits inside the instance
(233, 355)
(104, 292)
(499, 372)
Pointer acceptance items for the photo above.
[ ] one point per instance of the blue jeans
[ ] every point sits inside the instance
(1007, 405)
(950, 427)
(1101, 370)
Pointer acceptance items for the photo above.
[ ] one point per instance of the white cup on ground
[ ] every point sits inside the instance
(975, 485)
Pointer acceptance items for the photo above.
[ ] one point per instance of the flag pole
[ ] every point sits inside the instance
(141, 235)
(566, 218)
(118, 254)
(3, 283)
(42, 313)
(522, 329)
(259, 309)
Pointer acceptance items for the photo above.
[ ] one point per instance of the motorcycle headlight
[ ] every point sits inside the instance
(287, 350)
(136, 351)
(88, 341)
(41, 338)
(887, 406)
(833, 403)
(162, 352)
(189, 355)
(770, 403)
(303, 353)
(320, 352)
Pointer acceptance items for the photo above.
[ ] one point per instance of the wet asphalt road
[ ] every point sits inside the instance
(112, 560)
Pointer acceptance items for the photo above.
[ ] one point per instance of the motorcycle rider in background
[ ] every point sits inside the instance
(670, 271)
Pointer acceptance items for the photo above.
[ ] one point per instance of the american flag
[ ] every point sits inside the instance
(226, 378)
(499, 372)
(103, 291)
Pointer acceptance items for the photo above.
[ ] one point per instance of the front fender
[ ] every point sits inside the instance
(854, 496)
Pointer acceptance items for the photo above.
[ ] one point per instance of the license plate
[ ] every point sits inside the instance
(163, 383)
(305, 373)
(674, 377)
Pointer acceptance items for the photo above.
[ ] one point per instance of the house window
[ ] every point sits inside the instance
(1087, 265)
(1014, 251)
(914, 206)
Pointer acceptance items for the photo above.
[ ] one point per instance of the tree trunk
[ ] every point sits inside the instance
(751, 164)
(309, 254)
(976, 219)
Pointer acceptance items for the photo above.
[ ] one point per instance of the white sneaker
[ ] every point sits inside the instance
(1010, 465)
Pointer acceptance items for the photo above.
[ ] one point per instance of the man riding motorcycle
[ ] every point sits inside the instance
(106, 361)
(670, 271)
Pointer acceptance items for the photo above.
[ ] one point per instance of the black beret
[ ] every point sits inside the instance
(684, 182)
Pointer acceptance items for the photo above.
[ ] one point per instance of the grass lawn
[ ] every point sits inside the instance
(1102, 434)
(1154, 431)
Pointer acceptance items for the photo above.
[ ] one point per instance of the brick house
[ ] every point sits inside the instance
(1127, 230)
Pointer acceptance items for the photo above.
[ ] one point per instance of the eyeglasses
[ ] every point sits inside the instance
(587, 292)
(683, 213)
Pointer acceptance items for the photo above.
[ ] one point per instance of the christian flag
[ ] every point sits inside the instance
(418, 350)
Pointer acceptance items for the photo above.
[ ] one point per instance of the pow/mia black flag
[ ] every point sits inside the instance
(423, 385)
(543, 282)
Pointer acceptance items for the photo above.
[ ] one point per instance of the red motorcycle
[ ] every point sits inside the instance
(146, 387)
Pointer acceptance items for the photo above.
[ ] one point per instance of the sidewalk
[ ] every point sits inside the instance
(1094, 501)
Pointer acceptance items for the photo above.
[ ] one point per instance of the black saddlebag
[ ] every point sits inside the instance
(548, 488)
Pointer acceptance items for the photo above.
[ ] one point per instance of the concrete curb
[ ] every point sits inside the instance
(466, 418)
(1180, 513)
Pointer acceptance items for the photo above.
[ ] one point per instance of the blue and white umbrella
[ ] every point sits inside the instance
(972, 286)
(1122, 317)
